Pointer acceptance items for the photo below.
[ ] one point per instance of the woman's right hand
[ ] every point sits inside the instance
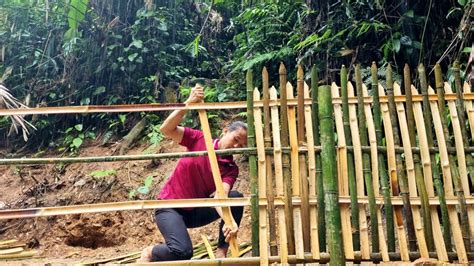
(196, 95)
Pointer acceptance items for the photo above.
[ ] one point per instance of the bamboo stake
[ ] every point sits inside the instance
(319, 181)
(350, 163)
(426, 162)
(286, 159)
(312, 177)
(295, 176)
(420, 182)
(359, 174)
(277, 155)
(343, 179)
(328, 156)
(303, 171)
(448, 182)
(392, 166)
(268, 161)
(252, 164)
(375, 174)
(366, 162)
(216, 174)
(436, 175)
(210, 253)
(469, 109)
(410, 166)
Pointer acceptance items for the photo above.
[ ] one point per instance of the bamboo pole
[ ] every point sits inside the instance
(384, 180)
(208, 246)
(428, 177)
(469, 109)
(319, 180)
(252, 165)
(286, 159)
(279, 185)
(436, 175)
(262, 186)
(328, 156)
(366, 162)
(342, 173)
(268, 161)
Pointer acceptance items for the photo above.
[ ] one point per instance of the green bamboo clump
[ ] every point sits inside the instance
(434, 166)
(350, 162)
(252, 165)
(286, 160)
(384, 178)
(420, 181)
(452, 159)
(319, 180)
(364, 140)
(329, 175)
(402, 180)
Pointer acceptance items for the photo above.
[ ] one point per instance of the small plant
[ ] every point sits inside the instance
(75, 136)
(144, 190)
(98, 174)
(154, 137)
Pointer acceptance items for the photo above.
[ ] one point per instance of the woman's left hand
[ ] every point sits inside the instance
(230, 232)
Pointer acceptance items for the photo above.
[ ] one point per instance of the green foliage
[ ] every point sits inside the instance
(74, 138)
(143, 190)
(99, 174)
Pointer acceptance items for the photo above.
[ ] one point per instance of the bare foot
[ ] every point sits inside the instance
(221, 253)
(146, 255)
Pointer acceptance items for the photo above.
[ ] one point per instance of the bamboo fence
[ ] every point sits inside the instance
(376, 172)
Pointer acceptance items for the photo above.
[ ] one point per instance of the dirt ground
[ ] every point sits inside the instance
(89, 237)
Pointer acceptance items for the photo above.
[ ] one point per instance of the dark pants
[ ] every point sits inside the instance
(174, 224)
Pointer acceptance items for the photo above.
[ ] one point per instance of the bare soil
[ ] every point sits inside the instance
(89, 237)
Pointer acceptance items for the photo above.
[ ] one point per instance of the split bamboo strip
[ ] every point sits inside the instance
(252, 164)
(295, 176)
(461, 157)
(17, 256)
(210, 253)
(286, 159)
(262, 188)
(392, 166)
(11, 250)
(426, 162)
(375, 174)
(268, 163)
(359, 174)
(319, 181)
(216, 174)
(303, 171)
(313, 220)
(331, 194)
(438, 184)
(448, 182)
(279, 185)
(343, 179)
(410, 167)
(350, 163)
(366, 162)
(420, 182)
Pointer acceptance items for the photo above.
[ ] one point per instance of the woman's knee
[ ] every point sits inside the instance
(235, 194)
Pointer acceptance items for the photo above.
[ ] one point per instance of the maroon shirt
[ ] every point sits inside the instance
(192, 177)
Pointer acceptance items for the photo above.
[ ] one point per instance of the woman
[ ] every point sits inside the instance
(192, 178)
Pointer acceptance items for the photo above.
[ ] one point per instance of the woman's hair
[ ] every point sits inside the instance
(236, 125)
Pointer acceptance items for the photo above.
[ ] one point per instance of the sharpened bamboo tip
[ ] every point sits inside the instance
(438, 76)
(389, 76)
(264, 71)
(282, 69)
(299, 73)
(373, 72)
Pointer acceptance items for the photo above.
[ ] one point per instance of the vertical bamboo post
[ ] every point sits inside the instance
(319, 180)
(436, 175)
(403, 182)
(331, 195)
(350, 162)
(268, 161)
(252, 165)
(286, 160)
(366, 162)
(384, 180)
(302, 161)
(420, 182)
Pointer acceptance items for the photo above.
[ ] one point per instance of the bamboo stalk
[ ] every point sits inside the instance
(384, 179)
(210, 253)
(21, 255)
(436, 175)
(286, 159)
(319, 180)
(328, 156)
(268, 161)
(252, 165)
(366, 162)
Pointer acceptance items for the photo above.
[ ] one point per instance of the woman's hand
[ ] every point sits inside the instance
(230, 232)
(196, 95)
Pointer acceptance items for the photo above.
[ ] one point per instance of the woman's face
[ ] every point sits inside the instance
(233, 139)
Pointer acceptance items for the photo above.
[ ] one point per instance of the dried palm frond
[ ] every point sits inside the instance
(7, 101)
